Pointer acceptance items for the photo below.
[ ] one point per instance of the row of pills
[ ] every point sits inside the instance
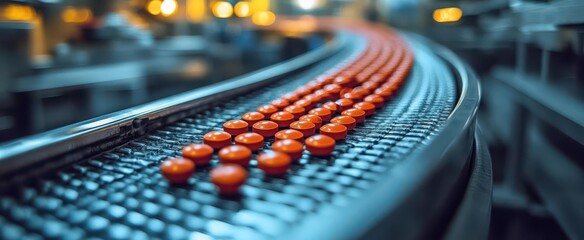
(332, 105)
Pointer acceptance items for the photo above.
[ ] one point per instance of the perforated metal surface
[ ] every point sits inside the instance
(121, 195)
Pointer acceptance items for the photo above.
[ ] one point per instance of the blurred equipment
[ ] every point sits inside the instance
(531, 59)
(60, 59)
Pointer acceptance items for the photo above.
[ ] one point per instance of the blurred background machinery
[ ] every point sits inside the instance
(60, 58)
(529, 55)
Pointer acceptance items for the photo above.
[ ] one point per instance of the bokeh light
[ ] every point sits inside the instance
(196, 10)
(260, 5)
(447, 14)
(76, 15)
(17, 12)
(263, 18)
(222, 9)
(168, 7)
(153, 7)
(307, 4)
(243, 9)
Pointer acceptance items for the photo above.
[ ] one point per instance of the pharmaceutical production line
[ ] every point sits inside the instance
(416, 154)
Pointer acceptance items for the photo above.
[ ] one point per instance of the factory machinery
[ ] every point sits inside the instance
(415, 168)
(529, 57)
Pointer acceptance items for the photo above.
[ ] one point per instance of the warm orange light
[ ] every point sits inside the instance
(74, 15)
(69, 15)
(299, 26)
(196, 10)
(243, 9)
(222, 9)
(17, 12)
(84, 15)
(451, 14)
(153, 7)
(168, 7)
(260, 5)
(263, 18)
(195, 70)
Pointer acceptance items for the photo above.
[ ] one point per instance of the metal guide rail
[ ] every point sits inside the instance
(419, 141)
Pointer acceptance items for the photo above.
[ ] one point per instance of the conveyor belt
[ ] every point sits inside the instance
(121, 194)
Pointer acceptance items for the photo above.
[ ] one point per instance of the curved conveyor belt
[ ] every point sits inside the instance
(399, 167)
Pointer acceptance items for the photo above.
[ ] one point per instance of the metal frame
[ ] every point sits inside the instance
(121, 126)
(547, 102)
(473, 217)
(556, 12)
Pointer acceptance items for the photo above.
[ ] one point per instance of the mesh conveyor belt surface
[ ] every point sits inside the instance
(120, 194)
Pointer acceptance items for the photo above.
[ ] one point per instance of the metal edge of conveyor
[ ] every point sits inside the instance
(136, 120)
(472, 219)
(411, 196)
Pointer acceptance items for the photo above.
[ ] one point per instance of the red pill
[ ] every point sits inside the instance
(313, 85)
(302, 91)
(228, 178)
(370, 86)
(388, 86)
(313, 98)
(267, 110)
(280, 103)
(361, 91)
(306, 104)
(274, 163)
(353, 96)
(344, 91)
(199, 153)
(305, 127)
(313, 119)
(330, 106)
(334, 91)
(265, 128)
(382, 76)
(375, 99)
(334, 130)
(378, 77)
(289, 134)
(323, 113)
(291, 97)
(237, 154)
(289, 146)
(252, 117)
(217, 139)
(324, 95)
(368, 107)
(320, 145)
(332, 88)
(357, 114)
(323, 79)
(344, 81)
(283, 119)
(253, 141)
(344, 104)
(296, 110)
(177, 170)
(385, 93)
(235, 127)
(365, 75)
(347, 121)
